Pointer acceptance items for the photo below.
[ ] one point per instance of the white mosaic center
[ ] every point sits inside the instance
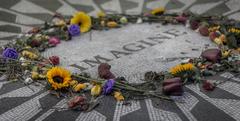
(131, 50)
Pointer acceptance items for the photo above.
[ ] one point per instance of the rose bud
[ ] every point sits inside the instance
(35, 43)
(181, 19)
(78, 102)
(171, 81)
(213, 35)
(203, 30)
(54, 60)
(213, 55)
(174, 89)
(194, 24)
(104, 71)
(208, 86)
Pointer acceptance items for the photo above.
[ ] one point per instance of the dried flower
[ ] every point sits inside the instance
(112, 24)
(104, 71)
(212, 55)
(158, 11)
(35, 75)
(208, 86)
(203, 31)
(139, 21)
(123, 20)
(96, 90)
(53, 41)
(79, 103)
(218, 41)
(35, 43)
(83, 20)
(173, 86)
(181, 19)
(28, 81)
(213, 35)
(74, 30)
(118, 96)
(226, 53)
(54, 60)
(10, 53)
(79, 87)
(29, 55)
(194, 24)
(108, 87)
(101, 14)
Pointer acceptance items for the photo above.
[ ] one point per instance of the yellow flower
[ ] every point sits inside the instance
(223, 38)
(79, 87)
(96, 90)
(226, 53)
(158, 11)
(101, 14)
(112, 24)
(73, 83)
(218, 41)
(83, 20)
(29, 54)
(181, 68)
(59, 78)
(35, 75)
(118, 96)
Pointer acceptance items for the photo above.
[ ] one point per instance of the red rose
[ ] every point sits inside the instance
(54, 60)
(213, 55)
(208, 86)
(181, 19)
(194, 24)
(173, 87)
(104, 71)
(203, 31)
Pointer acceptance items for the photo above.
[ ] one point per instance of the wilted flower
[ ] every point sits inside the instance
(74, 30)
(54, 60)
(104, 71)
(29, 54)
(112, 24)
(79, 87)
(118, 96)
(35, 43)
(10, 53)
(158, 11)
(181, 19)
(194, 24)
(96, 90)
(79, 103)
(53, 41)
(173, 86)
(208, 86)
(123, 20)
(28, 81)
(108, 87)
(101, 14)
(212, 55)
(203, 30)
(139, 21)
(35, 75)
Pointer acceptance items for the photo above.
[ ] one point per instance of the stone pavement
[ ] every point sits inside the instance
(131, 50)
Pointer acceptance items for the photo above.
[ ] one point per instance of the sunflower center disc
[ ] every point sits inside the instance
(58, 79)
(131, 50)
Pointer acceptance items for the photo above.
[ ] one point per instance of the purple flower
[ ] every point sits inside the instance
(108, 87)
(74, 30)
(10, 53)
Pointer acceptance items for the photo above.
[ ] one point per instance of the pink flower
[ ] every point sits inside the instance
(181, 19)
(53, 41)
(54, 60)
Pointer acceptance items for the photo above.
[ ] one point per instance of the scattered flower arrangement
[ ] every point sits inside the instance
(21, 59)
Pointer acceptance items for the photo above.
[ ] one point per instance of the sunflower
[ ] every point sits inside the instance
(178, 69)
(83, 20)
(59, 78)
(158, 11)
